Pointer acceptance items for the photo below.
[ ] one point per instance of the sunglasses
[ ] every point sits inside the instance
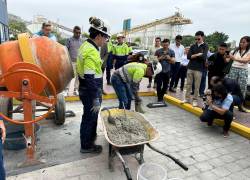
(197, 39)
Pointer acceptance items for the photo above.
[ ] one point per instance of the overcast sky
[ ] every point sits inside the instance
(229, 16)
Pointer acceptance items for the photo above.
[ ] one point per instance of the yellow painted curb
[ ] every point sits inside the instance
(107, 96)
(235, 127)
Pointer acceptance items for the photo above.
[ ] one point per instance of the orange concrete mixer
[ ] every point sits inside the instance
(33, 71)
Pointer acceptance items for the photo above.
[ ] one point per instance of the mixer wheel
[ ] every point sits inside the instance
(6, 106)
(60, 110)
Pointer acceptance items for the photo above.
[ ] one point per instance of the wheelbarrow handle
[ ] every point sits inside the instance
(108, 108)
(128, 174)
(125, 166)
(177, 161)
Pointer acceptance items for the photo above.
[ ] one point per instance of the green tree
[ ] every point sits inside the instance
(137, 40)
(114, 37)
(85, 35)
(216, 38)
(17, 27)
(187, 40)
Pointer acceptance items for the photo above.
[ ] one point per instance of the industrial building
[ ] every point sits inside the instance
(167, 27)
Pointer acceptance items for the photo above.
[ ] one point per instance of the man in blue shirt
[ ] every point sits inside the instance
(220, 106)
(166, 57)
(46, 31)
(3, 135)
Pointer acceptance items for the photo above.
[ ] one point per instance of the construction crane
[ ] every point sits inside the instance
(147, 32)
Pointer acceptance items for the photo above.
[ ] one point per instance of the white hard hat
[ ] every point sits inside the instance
(120, 35)
(100, 25)
(157, 68)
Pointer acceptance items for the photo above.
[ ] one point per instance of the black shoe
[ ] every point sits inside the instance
(109, 83)
(242, 109)
(97, 149)
(209, 123)
(172, 90)
(181, 89)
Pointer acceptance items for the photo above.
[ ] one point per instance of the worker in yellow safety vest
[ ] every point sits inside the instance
(126, 80)
(89, 70)
(121, 52)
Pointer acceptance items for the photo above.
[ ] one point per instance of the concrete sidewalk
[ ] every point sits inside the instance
(208, 155)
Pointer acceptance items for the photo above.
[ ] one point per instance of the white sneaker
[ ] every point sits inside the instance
(195, 103)
(185, 101)
(65, 93)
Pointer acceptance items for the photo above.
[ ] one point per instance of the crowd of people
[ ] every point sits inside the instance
(166, 65)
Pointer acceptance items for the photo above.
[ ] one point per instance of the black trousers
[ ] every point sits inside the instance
(108, 74)
(174, 71)
(89, 118)
(209, 116)
(150, 79)
(182, 74)
(162, 82)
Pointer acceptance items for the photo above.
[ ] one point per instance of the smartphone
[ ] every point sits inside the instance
(227, 52)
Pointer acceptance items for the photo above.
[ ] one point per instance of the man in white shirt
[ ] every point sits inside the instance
(152, 57)
(178, 49)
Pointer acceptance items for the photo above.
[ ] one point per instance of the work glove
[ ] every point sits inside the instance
(138, 107)
(96, 105)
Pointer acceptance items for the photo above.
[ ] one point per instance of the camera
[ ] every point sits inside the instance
(227, 52)
(208, 93)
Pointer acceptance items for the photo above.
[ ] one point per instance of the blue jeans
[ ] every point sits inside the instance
(89, 119)
(174, 72)
(2, 170)
(122, 91)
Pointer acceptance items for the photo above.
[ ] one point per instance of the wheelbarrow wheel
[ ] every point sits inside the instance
(6, 106)
(60, 110)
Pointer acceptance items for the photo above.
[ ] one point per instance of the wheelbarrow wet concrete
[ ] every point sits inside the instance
(128, 149)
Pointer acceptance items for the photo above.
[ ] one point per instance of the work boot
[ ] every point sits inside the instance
(97, 149)
(138, 107)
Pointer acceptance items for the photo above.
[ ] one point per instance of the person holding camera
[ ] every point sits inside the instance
(166, 57)
(220, 106)
(218, 62)
(233, 88)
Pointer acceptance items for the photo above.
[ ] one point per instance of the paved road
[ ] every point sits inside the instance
(208, 155)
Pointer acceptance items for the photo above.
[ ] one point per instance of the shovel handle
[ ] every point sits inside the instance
(177, 161)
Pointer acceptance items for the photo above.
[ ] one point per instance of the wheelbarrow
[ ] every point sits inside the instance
(129, 149)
